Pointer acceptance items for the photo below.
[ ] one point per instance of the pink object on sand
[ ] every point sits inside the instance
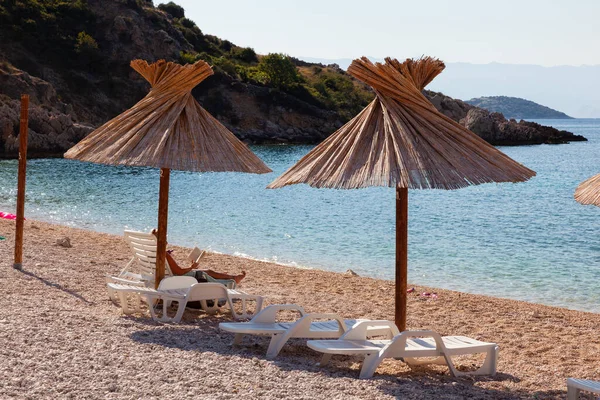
(7, 215)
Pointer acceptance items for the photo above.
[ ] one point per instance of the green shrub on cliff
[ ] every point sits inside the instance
(66, 35)
(187, 58)
(171, 8)
(85, 44)
(279, 70)
(336, 90)
(188, 23)
(47, 27)
(244, 54)
(225, 65)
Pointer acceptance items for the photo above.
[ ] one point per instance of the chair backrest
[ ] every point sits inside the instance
(143, 247)
(177, 282)
(207, 291)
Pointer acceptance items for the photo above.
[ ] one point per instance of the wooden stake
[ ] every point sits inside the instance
(401, 256)
(18, 264)
(163, 213)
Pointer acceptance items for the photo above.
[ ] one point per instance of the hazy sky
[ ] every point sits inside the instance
(543, 32)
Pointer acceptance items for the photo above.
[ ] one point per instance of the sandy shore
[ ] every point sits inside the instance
(62, 338)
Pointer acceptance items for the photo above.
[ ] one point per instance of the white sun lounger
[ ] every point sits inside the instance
(183, 289)
(143, 247)
(575, 386)
(408, 345)
(265, 323)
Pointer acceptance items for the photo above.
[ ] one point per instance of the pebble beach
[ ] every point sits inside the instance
(63, 338)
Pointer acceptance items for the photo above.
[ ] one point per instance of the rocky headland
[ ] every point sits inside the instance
(515, 107)
(495, 128)
(78, 77)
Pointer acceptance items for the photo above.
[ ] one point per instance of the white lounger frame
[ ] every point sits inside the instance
(183, 289)
(265, 324)
(576, 386)
(405, 346)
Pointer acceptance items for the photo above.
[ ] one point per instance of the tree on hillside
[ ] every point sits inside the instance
(171, 8)
(279, 70)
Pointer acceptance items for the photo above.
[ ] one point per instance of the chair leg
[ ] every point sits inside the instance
(181, 304)
(572, 393)
(325, 360)
(212, 309)
(112, 295)
(237, 339)
(369, 366)
(488, 368)
(276, 344)
(490, 363)
(245, 314)
(129, 302)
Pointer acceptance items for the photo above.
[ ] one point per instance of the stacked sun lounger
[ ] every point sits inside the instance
(375, 340)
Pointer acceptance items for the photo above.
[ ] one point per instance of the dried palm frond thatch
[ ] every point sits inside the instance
(588, 191)
(168, 128)
(401, 139)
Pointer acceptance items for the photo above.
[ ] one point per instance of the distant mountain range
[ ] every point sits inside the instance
(573, 90)
(514, 107)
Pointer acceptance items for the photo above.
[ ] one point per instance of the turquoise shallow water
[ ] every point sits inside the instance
(529, 241)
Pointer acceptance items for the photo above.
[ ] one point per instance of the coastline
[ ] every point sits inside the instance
(64, 337)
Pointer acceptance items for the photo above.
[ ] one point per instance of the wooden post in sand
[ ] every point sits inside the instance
(401, 256)
(163, 213)
(18, 264)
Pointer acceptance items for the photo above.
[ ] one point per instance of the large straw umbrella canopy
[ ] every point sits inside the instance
(401, 140)
(168, 129)
(588, 191)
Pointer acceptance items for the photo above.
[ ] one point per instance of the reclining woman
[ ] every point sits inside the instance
(192, 271)
(197, 273)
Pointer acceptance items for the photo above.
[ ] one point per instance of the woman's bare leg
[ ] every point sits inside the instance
(220, 275)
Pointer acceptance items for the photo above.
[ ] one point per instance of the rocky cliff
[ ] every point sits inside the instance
(75, 67)
(52, 128)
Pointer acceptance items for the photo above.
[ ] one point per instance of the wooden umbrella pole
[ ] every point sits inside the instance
(401, 256)
(163, 212)
(18, 264)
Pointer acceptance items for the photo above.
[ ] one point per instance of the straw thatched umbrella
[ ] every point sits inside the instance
(588, 191)
(168, 129)
(401, 140)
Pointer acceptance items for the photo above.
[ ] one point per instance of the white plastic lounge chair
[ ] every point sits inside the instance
(183, 289)
(408, 345)
(130, 293)
(575, 386)
(143, 247)
(265, 323)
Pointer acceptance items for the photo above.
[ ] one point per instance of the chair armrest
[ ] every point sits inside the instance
(398, 343)
(269, 314)
(125, 281)
(360, 330)
(125, 270)
(306, 320)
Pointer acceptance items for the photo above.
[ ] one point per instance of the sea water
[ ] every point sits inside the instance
(527, 241)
